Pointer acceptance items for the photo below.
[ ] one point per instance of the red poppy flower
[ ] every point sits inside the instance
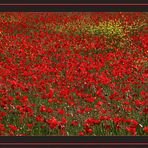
(49, 110)
(12, 127)
(52, 122)
(30, 125)
(89, 130)
(39, 119)
(81, 133)
(43, 108)
(75, 123)
(91, 100)
(145, 129)
(2, 127)
(131, 130)
(61, 111)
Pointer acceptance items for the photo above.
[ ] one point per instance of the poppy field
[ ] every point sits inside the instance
(73, 74)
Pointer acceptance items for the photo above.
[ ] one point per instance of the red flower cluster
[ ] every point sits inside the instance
(73, 74)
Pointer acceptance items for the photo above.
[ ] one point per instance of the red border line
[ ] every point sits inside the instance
(74, 4)
(73, 143)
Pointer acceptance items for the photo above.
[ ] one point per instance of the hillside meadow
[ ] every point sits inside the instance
(73, 74)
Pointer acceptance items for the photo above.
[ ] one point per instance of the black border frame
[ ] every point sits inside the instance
(71, 140)
(71, 1)
(74, 139)
(73, 8)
